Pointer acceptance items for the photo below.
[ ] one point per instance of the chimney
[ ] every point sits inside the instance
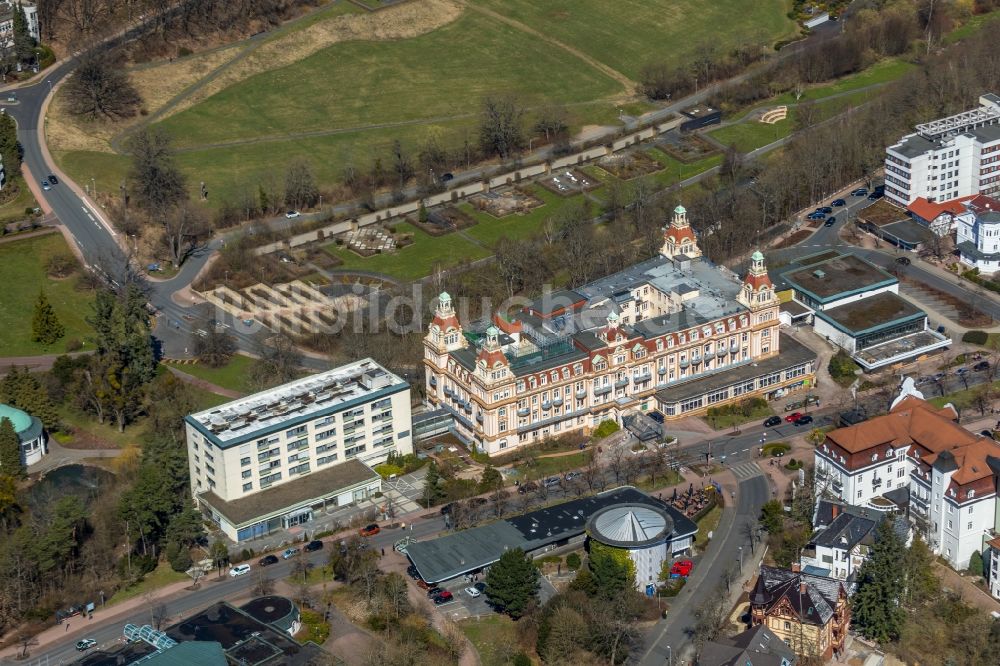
(796, 567)
(802, 588)
(835, 511)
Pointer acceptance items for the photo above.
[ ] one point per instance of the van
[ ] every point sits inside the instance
(239, 570)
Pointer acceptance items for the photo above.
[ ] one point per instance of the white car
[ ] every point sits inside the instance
(239, 570)
(292, 214)
(472, 592)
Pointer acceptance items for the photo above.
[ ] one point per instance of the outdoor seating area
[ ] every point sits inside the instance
(693, 501)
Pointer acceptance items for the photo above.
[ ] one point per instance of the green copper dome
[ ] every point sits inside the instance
(20, 419)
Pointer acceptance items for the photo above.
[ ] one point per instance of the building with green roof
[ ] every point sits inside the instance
(29, 431)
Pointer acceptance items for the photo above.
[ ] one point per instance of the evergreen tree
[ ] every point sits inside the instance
(876, 607)
(10, 450)
(22, 389)
(512, 583)
(10, 148)
(24, 43)
(491, 479)
(976, 563)
(432, 484)
(918, 567)
(45, 325)
(612, 569)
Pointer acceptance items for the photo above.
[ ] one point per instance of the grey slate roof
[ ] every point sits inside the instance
(846, 531)
(758, 646)
(815, 605)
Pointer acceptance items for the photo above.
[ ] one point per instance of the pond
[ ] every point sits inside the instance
(85, 481)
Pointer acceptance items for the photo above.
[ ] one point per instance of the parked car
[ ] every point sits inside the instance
(815, 215)
(860, 192)
(981, 366)
(292, 214)
(267, 560)
(370, 530)
(681, 569)
(239, 570)
(903, 261)
(656, 416)
(572, 475)
(794, 406)
(837, 203)
(875, 196)
(290, 552)
(805, 419)
(46, 186)
(772, 421)
(826, 210)
(53, 180)
(434, 591)
(412, 572)
(552, 481)
(472, 592)
(85, 644)
(986, 433)
(830, 221)
(793, 417)
(313, 546)
(528, 487)
(445, 177)
(443, 598)
(446, 509)
(481, 586)
(961, 371)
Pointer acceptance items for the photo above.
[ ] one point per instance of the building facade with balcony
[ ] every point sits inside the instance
(809, 613)
(674, 333)
(917, 456)
(947, 158)
(844, 535)
(977, 233)
(278, 458)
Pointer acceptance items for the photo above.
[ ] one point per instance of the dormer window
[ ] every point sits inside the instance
(874, 457)
(888, 452)
(970, 494)
(951, 492)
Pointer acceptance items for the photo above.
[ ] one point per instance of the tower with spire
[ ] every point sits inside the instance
(679, 238)
(757, 294)
(491, 362)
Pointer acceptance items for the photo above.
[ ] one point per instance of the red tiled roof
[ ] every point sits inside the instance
(492, 358)
(912, 421)
(926, 210)
(757, 281)
(508, 327)
(981, 202)
(445, 323)
(680, 234)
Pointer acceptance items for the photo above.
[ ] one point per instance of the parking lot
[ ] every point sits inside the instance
(464, 605)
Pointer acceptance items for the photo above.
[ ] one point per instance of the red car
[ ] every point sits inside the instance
(370, 530)
(793, 417)
(443, 598)
(681, 569)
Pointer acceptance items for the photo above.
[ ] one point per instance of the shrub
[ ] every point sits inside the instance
(605, 428)
(573, 561)
(673, 587)
(775, 447)
(976, 337)
(521, 659)
(73, 344)
(841, 365)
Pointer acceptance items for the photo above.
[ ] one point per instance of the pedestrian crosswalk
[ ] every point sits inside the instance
(746, 471)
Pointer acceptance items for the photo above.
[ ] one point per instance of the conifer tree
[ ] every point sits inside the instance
(876, 607)
(45, 325)
(10, 450)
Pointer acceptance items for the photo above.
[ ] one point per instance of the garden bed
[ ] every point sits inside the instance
(629, 165)
(441, 221)
(507, 202)
(569, 182)
(686, 148)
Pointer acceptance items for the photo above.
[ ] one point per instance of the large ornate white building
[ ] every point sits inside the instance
(674, 333)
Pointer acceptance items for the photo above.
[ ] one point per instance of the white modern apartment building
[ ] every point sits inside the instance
(918, 456)
(276, 459)
(674, 334)
(947, 158)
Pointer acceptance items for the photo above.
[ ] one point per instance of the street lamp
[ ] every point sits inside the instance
(670, 656)
(741, 560)
(93, 186)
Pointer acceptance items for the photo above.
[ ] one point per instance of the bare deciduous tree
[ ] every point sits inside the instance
(100, 89)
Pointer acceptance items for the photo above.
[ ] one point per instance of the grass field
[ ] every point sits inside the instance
(547, 466)
(444, 73)
(883, 71)
(13, 210)
(159, 577)
(416, 260)
(231, 376)
(490, 229)
(22, 272)
(627, 34)
(707, 524)
(493, 636)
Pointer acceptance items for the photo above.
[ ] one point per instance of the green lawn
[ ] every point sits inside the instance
(162, 576)
(22, 272)
(493, 636)
(416, 260)
(544, 467)
(13, 210)
(675, 171)
(972, 25)
(231, 376)
(627, 34)
(709, 523)
(881, 72)
(356, 84)
(724, 421)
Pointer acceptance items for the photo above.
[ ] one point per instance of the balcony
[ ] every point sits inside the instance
(821, 473)
(433, 381)
(524, 411)
(546, 405)
(602, 390)
(582, 393)
(639, 379)
(684, 364)
(876, 483)
(621, 382)
(696, 358)
(720, 352)
(662, 371)
(479, 417)
(448, 391)
(838, 486)
(557, 401)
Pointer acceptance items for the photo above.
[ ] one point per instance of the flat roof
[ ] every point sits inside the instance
(834, 278)
(278, 499)
(298, 401)
(908, 231)
(870, 313)
(455, 554)
(794, 308)
(792, 353)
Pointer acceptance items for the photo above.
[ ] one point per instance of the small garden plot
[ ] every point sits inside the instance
(370, 241)
(441, 221)
(630, 165)
(569, 182)
(685, 147)
(506, 202)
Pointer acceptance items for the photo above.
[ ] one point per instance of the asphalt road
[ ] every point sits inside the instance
(107, 631)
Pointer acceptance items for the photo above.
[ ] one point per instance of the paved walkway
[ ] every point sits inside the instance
(60, 455)
(33, 363)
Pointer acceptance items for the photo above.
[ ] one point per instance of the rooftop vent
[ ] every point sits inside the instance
(819, 274)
